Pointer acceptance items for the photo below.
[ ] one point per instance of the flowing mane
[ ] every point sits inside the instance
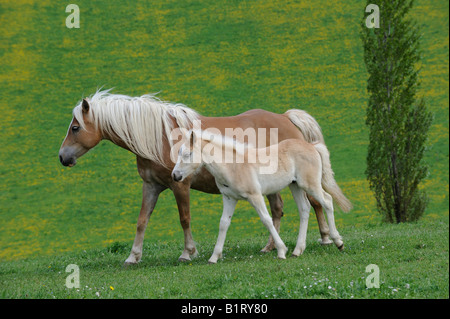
(139, 122)
(223, 142)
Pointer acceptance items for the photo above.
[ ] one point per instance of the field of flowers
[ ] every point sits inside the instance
(219, 58)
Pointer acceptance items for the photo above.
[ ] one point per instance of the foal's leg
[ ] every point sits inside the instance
(181, 192)
(323, 226)
(229, 205)
(334, 234)
(304, 207)
(257, 201)
(150, 193)
(276, 207)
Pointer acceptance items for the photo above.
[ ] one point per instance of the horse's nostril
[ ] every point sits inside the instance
(60, 159)
(176, 176)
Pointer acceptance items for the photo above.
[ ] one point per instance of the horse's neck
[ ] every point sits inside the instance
(114, 138)
(214, 165)
(219, 166)
(219, 171)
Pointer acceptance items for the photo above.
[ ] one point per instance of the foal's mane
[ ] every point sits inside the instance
(222, 141)
(142, 123)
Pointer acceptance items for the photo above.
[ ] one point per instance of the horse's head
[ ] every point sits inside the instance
(81, 136)
(188, 160)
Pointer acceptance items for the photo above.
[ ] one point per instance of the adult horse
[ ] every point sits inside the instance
(143, 126)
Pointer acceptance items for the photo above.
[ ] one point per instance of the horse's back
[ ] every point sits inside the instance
(256, 119)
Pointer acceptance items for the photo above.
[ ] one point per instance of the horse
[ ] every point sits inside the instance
(143, 124)
(302, 166)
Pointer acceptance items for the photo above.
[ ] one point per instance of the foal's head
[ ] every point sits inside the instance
(81, 136)
(188, 160)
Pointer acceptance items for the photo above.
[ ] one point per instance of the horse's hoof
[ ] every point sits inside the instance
(184, 259)
(283, 256)
(325, 242)
(341, 247)
(267, 249)
(128, 264)
(194, 254)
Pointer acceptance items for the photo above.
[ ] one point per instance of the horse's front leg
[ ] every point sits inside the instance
(181, 192)
(276, 208)
(229, 205)
(150, 194)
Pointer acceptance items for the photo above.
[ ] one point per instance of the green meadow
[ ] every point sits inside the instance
(220, 58)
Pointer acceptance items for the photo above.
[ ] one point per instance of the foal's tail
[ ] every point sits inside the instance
(328, 182)
(307, 125)
(313, 134)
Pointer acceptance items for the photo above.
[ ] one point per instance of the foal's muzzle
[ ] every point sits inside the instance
(177, 176)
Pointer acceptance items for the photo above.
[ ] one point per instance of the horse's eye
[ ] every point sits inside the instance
(186, 156)
(75, 129)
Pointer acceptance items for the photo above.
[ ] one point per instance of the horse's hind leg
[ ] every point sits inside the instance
(257, 201)
(334, 234)
(276, 207)
(323, 226)
(326, 201)
(303, 208)
(229, 205)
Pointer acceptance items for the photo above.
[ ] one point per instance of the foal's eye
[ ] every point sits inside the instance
(186, 155)
(75, 128)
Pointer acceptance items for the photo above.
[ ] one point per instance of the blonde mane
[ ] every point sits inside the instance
(142, 123)
(223, 141)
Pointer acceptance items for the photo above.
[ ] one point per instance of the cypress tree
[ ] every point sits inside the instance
(398, 120)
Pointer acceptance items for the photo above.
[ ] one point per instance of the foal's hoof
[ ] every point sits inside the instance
(298, 251)
(184, 259)
(325, 242)
(128, 264)
(341, 247)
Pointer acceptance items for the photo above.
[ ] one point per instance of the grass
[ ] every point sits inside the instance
(220, 59)
(411, 267)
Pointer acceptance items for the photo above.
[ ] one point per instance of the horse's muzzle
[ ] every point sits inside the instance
(177, 176)
(68, 161)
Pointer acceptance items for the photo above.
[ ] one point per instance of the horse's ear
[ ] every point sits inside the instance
(85, 106)
(191, 140)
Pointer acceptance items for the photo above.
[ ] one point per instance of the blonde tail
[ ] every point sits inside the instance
(307, 125)
(328, 182)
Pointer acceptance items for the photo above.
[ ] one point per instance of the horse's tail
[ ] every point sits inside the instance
(307, 125)
(328, 182)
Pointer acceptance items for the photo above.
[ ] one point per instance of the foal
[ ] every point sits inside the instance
(304, 167)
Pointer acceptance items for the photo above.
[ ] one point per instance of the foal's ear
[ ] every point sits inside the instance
(191, 140)
(85, 106)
